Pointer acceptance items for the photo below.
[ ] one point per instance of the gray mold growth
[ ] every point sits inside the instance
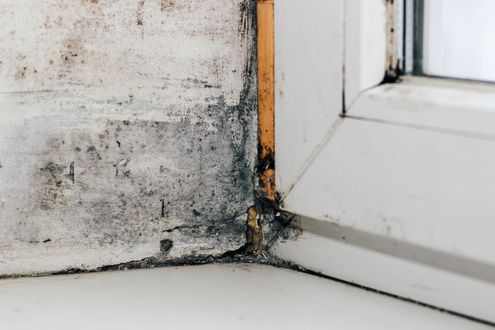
(127, 131)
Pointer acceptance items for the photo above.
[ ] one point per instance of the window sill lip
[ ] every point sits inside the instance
(458, 107)
(446, 79)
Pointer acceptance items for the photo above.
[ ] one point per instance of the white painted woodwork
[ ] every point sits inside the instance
(365, 46)
(458, 107)
(429, 188)
(308, 95)
(364, 259)
(411, 162)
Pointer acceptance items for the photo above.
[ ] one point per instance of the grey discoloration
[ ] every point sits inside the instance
(278, 226)
(71, 172)
(121, 152)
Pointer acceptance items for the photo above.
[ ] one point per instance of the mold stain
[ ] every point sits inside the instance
(73, 52)
(90, 178)
(173, 5)
(140, 13)
(165, 246)
(55, 186)
(125, 182)
(247, 18)
(21, 72)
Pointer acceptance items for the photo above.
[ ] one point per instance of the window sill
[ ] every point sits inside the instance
(238, 296)
(447, 106)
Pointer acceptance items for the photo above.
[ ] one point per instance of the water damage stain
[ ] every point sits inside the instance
(160, 175)
(120, 180)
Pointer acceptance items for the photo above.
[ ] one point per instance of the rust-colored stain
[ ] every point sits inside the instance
(255, 236)
(266, 96)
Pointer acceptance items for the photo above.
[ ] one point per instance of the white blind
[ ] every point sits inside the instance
(459, 39)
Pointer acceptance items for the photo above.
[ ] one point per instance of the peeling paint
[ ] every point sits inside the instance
(254, 231)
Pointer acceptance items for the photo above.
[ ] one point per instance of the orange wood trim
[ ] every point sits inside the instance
(266, 95)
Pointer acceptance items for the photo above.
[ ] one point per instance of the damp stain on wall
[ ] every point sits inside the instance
(128, 130)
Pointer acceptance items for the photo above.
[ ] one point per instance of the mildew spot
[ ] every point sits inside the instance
(21, 72)
(71, 172)
(170, 5)
(140, 13)
(165, 246)
(54, 186)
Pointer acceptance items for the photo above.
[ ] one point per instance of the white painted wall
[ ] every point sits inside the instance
(124, 123)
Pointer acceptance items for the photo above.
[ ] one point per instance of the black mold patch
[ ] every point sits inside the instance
(247, 12)
(165, 246)
(139, 13)
(105, 178)
(163, 174)
(278, 226)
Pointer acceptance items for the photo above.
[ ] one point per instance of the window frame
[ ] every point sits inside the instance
(317, 176)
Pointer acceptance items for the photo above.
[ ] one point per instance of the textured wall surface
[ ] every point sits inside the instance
(124, 124)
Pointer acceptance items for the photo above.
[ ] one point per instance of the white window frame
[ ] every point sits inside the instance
(408, 163)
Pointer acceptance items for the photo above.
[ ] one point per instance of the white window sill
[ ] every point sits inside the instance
(240, 296)
(450, 106)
